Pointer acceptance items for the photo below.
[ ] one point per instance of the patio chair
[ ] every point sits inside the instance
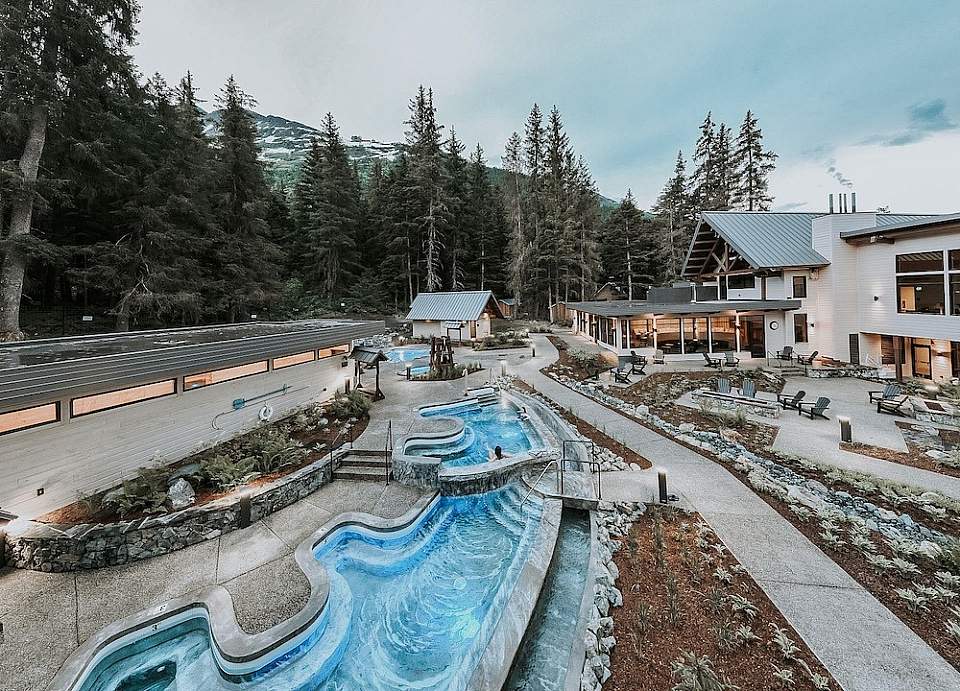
(791, 401)
(807, 359)
(723, 386)
(712, 362)
(620, 376)
(889, 391)
(785, 354)
(637, 363)
(893, 406)
(658, 357)
(730, 360)
(815, 409)
(749, 388)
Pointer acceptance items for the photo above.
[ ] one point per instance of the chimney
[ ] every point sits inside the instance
(853, 202)
(831, 203)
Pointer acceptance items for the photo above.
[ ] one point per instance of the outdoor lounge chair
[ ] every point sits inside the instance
(620, 376)
(889, 391)
(814, 409)
(785, 354)
(723, 386)
(730, 360)
(713, 361)
(637, 363)
(807, 359)
(893, 405)
(791, 401)
(749, 388)
(658, 357)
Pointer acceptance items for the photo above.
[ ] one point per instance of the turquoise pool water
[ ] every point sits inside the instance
(407, 610)
(406, 353)
(484, 428)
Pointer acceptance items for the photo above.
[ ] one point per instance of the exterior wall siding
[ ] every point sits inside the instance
(97, 451)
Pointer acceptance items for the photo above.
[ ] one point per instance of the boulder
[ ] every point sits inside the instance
(180, 495)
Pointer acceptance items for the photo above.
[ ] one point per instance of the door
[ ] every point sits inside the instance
(921, 361)
(854, 349)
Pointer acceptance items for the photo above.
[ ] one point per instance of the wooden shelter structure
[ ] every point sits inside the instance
(365, 358)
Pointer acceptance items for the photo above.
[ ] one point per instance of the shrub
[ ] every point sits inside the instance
(353, 404)
(272, 450)
(225, 473)
(145, 493)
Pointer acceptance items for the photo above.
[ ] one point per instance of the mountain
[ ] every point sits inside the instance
(284, 144)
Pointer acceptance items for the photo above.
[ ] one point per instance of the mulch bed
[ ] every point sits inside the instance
(568, 365)
(913, 457)
(653, 628)
(79, 512)
(592, 433)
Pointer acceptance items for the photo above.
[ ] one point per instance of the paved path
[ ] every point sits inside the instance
(863, 644)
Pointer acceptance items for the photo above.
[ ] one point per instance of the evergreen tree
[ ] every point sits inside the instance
(724, 170)
(629, 252)
(753, 166)
(455, 190)
(703, 183)
(519, 245)
(677, 215)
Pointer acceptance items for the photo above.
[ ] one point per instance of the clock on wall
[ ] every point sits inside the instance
(774, 325)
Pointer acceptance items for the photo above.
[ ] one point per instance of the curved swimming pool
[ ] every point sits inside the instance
(413, 608)
(407, 353)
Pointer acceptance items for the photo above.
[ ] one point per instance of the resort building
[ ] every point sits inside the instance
(876, 289)
(77, 415)
(462, 315)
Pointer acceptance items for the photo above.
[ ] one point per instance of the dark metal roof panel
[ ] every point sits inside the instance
(29, 385)
(463, 305)
(768, 239)
(368, 356)
(636, 308)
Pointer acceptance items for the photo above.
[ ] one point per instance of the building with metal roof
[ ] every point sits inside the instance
(461, 315)
(78, 414)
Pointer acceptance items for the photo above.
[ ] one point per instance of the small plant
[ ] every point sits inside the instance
(673, 601)
(716, 600)
(722, 575)
(783, 643)
(696, 673)
(879, 562)
(862, 543)
(819, 682)
(741, 605)
(800, 511)
(948, 579)
(726, 636)
(831, 540)
(952, 629)
(225, 473)
(349, 405)
(644, 616)
(916, 602)
(904, 567)
(144, 493)
(784, 676)
(746, 635)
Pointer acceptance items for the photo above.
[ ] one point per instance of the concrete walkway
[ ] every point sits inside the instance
(864, 645)
(46, 616)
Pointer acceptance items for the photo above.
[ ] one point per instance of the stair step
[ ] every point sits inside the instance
(366, 452)
(361, 463)
(359, 473)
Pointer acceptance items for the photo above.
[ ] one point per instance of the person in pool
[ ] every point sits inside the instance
(495, 454)
(523, 414)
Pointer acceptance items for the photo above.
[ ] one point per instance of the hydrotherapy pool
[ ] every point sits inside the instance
(484, 427)
(414, 608)
(407, 353)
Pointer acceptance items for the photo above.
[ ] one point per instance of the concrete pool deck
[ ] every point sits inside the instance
(47, 616)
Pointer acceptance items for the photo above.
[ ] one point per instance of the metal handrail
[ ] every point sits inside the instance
(387, 451)
(333, 444)
(592, 465)
(540, 477)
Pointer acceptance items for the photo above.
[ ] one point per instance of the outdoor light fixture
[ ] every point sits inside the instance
(876, 298)
(408, 366)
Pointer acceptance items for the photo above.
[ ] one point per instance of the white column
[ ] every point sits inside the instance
(654, 332)
(736, 329)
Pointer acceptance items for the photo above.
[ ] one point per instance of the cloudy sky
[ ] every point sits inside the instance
(860, 96)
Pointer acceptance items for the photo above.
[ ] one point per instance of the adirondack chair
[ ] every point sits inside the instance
(723, 386)
(893, 406)
(815, 409)
(730, 360)
(889, 391)
(785, 354)
(791, 401)
(712, 362)
(749, 388)
(637, 363)
(807, 359)
(658, 357)
(620, 376)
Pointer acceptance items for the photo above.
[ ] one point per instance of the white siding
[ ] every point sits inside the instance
(96, 451)
(426, 329)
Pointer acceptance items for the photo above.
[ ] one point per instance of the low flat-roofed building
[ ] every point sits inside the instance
(77, 415)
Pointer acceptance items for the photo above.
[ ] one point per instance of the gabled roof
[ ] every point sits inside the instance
(463, 305)
(765, 240)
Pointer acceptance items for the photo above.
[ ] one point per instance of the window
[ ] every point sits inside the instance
(955, 294)
(668, 335)
(799, 286)
(920, 294)
(954, 260)
(624, 325)
(741, 282)
(29, 417)
(335, 350)
(291, 360)
(918, 262)
(641, 333)
(799, 328)
(195, 381)
(723, 334)
(694, 334)
(114, 399)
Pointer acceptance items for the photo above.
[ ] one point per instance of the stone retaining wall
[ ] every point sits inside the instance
(763, 408)
(57, 548)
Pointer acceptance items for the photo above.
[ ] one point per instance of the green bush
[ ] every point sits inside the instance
(273, 449)
(353, 404)
(145, 493)
(224, 473)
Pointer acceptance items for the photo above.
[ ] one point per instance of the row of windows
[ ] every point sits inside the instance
(95, 403)
(924, 281)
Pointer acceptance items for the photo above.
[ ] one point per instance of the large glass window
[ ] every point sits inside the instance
(291, 360)
(668, 335)
(624, 325)
(799, 286)
(741, 282)
(195, 381)
(919, 261)
(920, 294)
(799, 328)
(955, 260)
(29, 417)
(114, 399)
(955, 294)
(335, 350)
(723, 334)
(641, 333)
(752, 336)
(695, 334)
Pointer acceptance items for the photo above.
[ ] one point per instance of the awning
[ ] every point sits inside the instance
(453, 325)
(368, 356)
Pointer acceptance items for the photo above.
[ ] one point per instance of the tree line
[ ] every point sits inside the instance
(112, 194)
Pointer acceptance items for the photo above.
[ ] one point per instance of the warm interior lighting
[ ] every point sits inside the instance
(334, 350)
(195, 381)
(114, 399)
(291, 360)
(29, 417)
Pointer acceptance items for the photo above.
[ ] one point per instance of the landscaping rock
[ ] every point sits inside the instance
(180, 495)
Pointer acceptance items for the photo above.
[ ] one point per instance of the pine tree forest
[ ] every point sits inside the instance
(115, 198)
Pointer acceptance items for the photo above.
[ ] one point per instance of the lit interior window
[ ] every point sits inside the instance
(29, 417)
(335, 350)
(291, 360)
(114, 399)
(195, 381)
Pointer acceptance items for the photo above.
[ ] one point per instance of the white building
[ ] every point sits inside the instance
(865, 288)
(463, 315)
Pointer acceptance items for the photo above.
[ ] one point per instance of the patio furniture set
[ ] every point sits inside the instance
(788, 355)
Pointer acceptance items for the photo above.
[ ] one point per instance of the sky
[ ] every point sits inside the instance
(852, 96)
